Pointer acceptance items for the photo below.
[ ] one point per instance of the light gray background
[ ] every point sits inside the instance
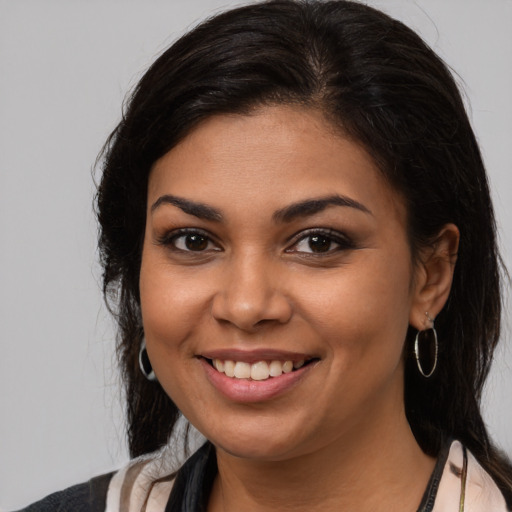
(65, 67)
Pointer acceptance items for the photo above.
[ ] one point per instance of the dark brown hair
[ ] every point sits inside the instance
(379, 83)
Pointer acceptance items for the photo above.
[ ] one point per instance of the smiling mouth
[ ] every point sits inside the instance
(258, 371)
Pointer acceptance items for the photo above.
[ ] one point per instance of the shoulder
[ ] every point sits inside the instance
(144, 482)
(86, 497)
(161, 480)
(465, 481)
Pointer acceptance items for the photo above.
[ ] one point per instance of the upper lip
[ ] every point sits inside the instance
(255, 355)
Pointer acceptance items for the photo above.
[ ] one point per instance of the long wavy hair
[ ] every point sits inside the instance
(382, 86)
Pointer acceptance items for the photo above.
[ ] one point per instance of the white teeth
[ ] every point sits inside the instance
(261, 370)
(287, 367)
(242, 370)
(276, 368)
(229, 368)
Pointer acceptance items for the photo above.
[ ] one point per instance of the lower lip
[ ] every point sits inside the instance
(251, 391)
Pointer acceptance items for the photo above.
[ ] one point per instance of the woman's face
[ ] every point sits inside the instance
(272, 242)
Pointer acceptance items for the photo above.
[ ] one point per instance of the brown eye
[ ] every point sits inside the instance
(319, 243)
(195, 242)
(190, 242)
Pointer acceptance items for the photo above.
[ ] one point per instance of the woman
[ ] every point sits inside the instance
(292, 211)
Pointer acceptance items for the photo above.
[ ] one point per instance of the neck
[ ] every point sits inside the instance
(373, 468)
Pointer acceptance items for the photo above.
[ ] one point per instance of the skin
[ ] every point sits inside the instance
(258, 283)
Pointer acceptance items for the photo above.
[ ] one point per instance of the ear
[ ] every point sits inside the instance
(433, 276)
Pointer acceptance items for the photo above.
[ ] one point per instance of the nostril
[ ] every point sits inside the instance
(250, 306)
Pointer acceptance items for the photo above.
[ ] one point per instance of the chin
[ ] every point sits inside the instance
(266, 443)
(256, 451)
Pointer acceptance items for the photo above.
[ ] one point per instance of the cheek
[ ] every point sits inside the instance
(362, 309)
(362, 323)
(171, 304)
(172, 312)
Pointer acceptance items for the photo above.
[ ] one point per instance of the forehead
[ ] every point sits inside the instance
(274, 156)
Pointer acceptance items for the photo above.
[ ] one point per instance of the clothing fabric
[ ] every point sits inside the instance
(458, 484)
(87, 497)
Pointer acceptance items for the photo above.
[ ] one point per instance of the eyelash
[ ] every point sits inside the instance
(170, 239)
(342, 241)
(331, 236)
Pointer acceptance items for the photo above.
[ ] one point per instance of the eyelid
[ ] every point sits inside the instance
(341, 239)
(167, 239)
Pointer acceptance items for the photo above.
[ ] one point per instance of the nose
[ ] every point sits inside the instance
(251, 295)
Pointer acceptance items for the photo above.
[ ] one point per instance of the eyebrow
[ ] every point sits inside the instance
(300, 209)
(313, 206)
(199, 210)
